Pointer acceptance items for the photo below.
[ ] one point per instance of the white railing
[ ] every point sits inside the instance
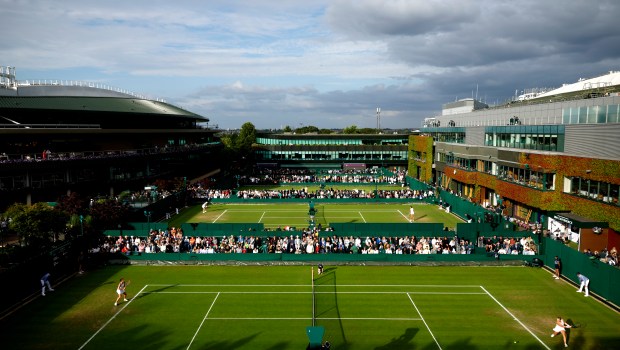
(84, 84)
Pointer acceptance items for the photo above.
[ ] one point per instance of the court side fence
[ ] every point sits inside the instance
(604, 279)
(326, 259)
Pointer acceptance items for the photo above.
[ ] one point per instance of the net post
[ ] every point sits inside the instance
(315, 333)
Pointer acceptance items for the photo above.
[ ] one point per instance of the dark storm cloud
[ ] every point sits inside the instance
(366, 19)
(497, 46)
(328, 63)
(491, 50)
(475, 33)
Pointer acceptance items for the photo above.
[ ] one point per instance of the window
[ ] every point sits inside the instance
(593, 114)
(527, 177)
(612, 114)
(539, 137)
(591, 189)
(583, 115)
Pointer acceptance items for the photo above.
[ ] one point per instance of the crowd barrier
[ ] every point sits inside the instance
(469, 231)
(342, 259)
(463, 207)
(388, 229)
(142, 229)
(235, 200)
(604, 279)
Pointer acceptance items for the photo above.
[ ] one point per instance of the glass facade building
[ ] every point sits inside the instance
(332, 149)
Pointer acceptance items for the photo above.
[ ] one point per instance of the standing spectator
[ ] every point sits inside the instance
(584, 283)
(557, 265)
(45, 281)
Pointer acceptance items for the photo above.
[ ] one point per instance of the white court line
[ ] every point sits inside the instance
(337, 292)
(112, 318)
(260, 318)
(289, 223)
(516, 319)
(220, 292)
(371, 318)
(422, 317)
(318, 318)
(289, 210)
(217, 218)
(401, 213)
(288, 217)
(362, 216)
(203, 321)
(261, 217)
(308, 285)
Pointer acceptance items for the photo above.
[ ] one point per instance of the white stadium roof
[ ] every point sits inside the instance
(610, 79)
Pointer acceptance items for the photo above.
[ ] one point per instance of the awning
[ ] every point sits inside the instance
(578, 221)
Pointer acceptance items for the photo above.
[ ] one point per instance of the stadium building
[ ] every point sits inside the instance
(58, 137)
(330, 151)
(551, 157)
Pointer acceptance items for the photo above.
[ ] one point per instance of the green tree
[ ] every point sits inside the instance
(350, 130)
(36, 225)
(287, 129)
(229, 141)
(367, 131)
(307, 129)
(325, 131)
(246, 138)
(76, 209)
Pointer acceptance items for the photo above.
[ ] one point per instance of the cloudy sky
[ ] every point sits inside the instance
(324, 63)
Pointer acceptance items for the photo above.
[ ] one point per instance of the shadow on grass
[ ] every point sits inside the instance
(241, 342)
(328, 269)
(158, 290)
(326, 305)
(149, 337)
(141, 337)
(577, 340)
(402, 342)
(46, 317)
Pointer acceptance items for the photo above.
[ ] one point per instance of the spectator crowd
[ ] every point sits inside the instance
(309, 241)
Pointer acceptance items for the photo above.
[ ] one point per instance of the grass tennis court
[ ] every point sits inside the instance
(269, 307)
(296, 215)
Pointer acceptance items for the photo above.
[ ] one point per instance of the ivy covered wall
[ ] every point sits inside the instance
(420, 157)
(593, 169)
(552, 200)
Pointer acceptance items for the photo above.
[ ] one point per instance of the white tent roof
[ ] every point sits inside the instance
(610, 79)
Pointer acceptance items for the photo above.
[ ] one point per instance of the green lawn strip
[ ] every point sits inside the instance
(367, 187)
(377, 335)
(156, 321)
(79, 308)
(252, 334)
(455, 319)
(296, 215)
